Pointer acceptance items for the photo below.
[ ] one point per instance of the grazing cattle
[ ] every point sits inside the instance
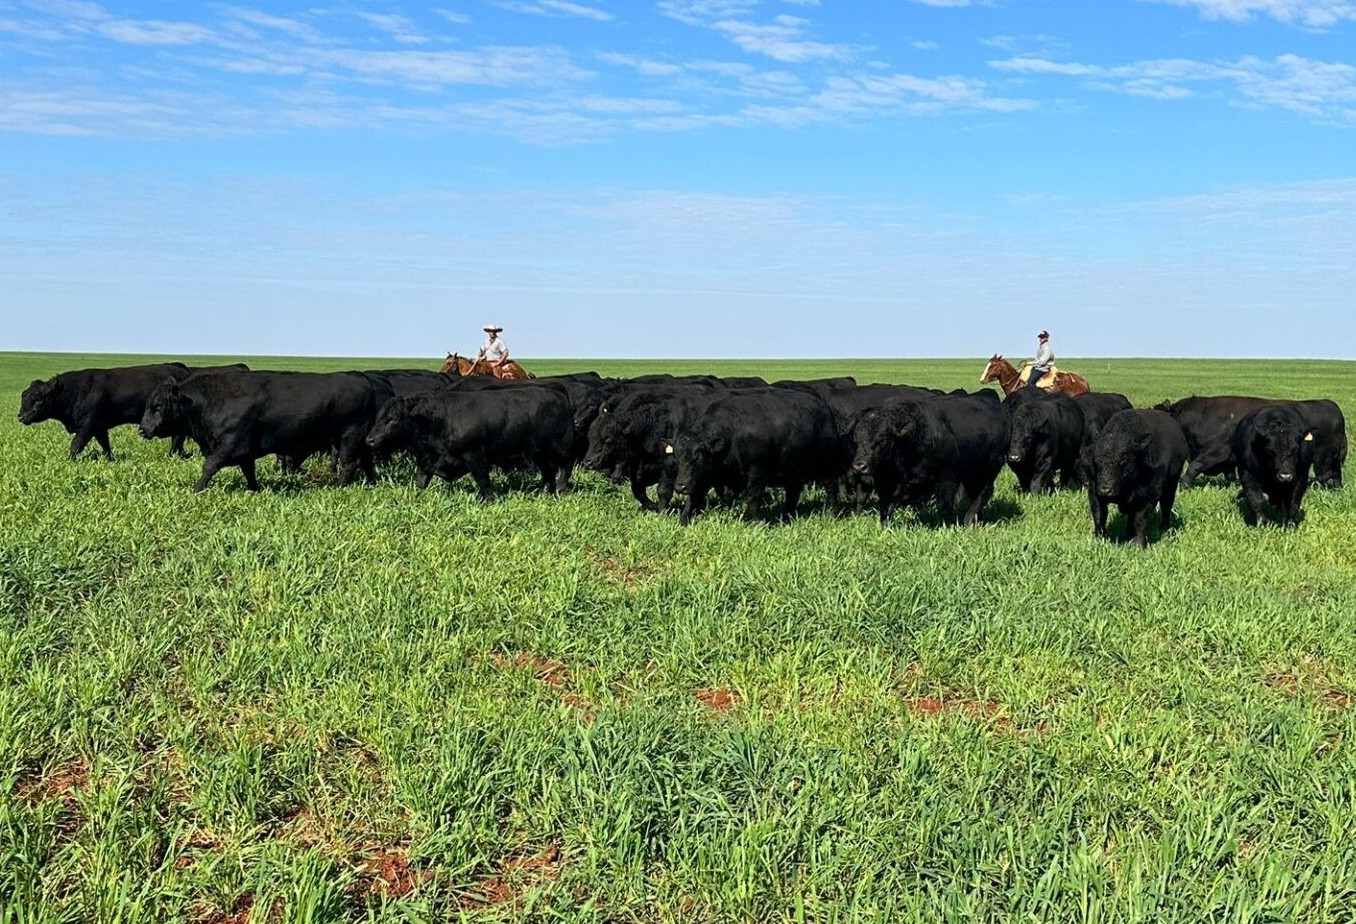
(1135, 463)
(1210, 422)
(947, 449)
(1046, 437)
(469, 431)
(1274, 448)
(631, 439)
(239, 417)
(751, 439)
(90, 402)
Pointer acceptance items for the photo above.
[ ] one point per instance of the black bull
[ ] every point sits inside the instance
(237, 418)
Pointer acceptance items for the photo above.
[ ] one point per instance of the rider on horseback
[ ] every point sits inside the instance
(494, 350)
(1045, 358)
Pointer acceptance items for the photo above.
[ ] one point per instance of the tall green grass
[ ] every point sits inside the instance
(324, 704)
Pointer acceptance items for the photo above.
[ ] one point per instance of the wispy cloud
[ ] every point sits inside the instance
(784, 38)
(1318, 14)
(1317, 89)
(560, 8)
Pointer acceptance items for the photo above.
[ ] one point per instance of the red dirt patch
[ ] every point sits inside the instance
(550, 672)
(242, 912)
(516, 876)
(1310, 681)
(387, 872)
(580, 705)
(719, 699)
(60, 782)
(985, 711)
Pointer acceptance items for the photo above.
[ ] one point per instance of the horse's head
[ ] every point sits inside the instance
(990, 373)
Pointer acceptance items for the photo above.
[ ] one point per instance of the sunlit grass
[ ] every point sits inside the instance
(326, 704)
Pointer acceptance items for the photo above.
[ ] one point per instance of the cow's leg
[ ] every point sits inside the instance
(251, 479)
(210, 467)
(793, 493)
(695, 504)
(1165, 504)
(639, 493)
(177, 448)
(1252, 495)
(421, 480)
(945, 495)
(1099, 507)
(548, 471)
(1292, 512)
(102, 437)
(80, 441)
(563, 476)
(976, 508)
(1138, 522)
(479, 467)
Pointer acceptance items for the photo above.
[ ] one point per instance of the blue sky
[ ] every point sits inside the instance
(664, 178)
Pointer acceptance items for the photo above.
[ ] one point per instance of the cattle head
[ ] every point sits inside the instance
(698, 457)
(607, 443)
(1283, 444)
(1118, 458)
(1028, 430)
(885, 436)
(165, 413)
(393, 428)
(40, 401)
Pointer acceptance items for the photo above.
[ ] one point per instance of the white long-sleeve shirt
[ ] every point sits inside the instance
(1045, 357)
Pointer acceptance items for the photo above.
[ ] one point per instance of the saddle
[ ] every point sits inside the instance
(1048, 381)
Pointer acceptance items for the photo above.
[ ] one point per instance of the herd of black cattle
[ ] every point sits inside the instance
(737, 437)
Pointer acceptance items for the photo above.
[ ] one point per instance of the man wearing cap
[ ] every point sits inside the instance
(494, 350)
(1045, 358)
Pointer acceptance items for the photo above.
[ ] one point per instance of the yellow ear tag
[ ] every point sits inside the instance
(668, 450)
(1308, 437)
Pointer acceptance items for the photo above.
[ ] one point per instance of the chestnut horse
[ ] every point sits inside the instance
(510, 371)
(1068, 383)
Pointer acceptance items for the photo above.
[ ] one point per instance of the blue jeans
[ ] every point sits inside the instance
(1036, 376)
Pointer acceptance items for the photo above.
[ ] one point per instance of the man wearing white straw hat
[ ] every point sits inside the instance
(494, 350)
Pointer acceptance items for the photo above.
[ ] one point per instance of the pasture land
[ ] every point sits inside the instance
(323, 704)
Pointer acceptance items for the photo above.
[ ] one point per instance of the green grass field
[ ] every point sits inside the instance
(324, 704)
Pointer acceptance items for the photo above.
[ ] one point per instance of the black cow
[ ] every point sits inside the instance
(1135, 462)
(949, 449)
(751, 439)
(1098, 407)
(1274, 448)
(1210, 423)
(468, 431)
(1047, 436)
(90, 402)
(632, 440)
(240, 417)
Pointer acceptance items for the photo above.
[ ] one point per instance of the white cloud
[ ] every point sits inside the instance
(153, 32)
(554, 8)
(452, 16)
(1316, 89)
(1317, 14)
(782, 39)
(400, 28)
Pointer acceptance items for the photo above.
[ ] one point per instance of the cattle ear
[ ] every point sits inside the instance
(1143, 441)
(720, 444)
